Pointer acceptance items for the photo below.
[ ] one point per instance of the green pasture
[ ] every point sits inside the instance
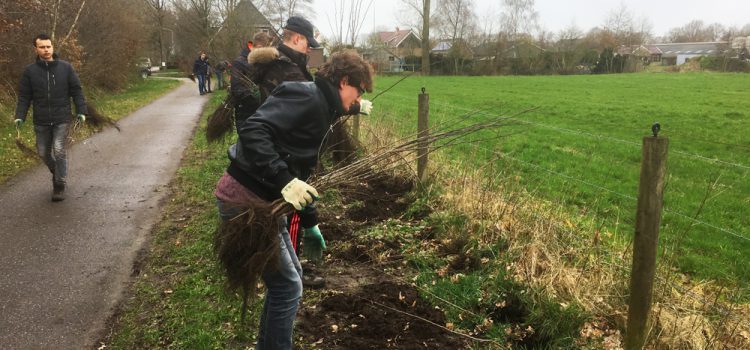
(581, 147)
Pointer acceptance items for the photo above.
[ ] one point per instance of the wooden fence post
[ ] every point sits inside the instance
(648, 219)
(355, 128)
(423, 125)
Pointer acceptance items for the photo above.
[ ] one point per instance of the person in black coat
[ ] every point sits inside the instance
(275, 154)
(200, 69)
(48, 85)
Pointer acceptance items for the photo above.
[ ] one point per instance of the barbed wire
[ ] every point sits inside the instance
(672, 132)
(629, 197)
(590, 135)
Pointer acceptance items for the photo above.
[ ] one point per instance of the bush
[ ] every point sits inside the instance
(724, 64)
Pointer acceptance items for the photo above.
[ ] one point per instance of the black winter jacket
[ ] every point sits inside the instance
(290, 65)
(200, 67)
(244, 92)
(282, 139)
(49, 86)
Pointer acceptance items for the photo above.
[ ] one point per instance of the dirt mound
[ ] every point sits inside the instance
(377, 316)
(361, 307)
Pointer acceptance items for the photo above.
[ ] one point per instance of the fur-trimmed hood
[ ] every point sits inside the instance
(263, 55)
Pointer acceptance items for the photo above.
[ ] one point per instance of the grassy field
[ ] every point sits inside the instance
(115, 106)
(582, 147)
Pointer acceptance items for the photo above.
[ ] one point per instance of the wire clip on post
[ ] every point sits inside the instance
(655, 129)
(424, 91)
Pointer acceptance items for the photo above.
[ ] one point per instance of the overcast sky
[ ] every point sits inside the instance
(555, 15)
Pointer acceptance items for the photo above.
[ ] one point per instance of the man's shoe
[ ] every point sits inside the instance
(58, 193)
(313, 282)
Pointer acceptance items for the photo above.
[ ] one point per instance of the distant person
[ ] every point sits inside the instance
(48, 85)
(276, 151)
(209, 73)
(244, 92)
(220, 68)
(200, 69)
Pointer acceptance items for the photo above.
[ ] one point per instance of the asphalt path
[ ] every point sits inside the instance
(64, 266)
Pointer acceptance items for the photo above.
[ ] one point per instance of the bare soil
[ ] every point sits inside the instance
(366, 304)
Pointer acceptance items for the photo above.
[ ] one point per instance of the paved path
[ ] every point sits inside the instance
(63, 266)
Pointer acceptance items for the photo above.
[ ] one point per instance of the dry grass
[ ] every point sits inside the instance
(569, 257)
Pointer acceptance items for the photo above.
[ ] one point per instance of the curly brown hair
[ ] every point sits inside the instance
(350, 66)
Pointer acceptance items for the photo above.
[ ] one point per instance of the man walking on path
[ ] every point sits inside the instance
(48, 85)
(65, 267)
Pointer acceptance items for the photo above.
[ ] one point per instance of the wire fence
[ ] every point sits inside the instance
(667, 281)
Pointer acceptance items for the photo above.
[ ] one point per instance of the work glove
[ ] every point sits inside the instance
(313, 244)
(19, 123)
(81, 118)
(365, 107)
(299, 194)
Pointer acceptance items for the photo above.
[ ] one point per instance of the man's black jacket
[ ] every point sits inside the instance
(49, 86)
(200, 67)
(282, 139)
(289, 65)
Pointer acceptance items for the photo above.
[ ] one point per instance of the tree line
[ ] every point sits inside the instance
(514, 42)
(104, 39)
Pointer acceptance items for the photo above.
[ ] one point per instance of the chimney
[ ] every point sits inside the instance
(396, 28)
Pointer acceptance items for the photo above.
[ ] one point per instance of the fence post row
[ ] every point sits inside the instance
(648, 219)
(423, 124)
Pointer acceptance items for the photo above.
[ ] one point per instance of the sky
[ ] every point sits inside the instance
(555, 15)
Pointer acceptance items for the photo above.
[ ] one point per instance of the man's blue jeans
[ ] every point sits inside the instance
(284, 290)
(50, 145)
(201, 83)
(219, 80)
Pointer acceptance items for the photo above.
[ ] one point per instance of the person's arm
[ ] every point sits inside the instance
(281, 116)
(76, 92)
(25, 96)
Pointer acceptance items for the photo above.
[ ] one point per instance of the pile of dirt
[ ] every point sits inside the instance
(377, 316)
(361, 307)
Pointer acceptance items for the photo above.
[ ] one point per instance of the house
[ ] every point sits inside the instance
(251, 20)
(646, 53)
(679, 53)
(443, 47)
(391, 50)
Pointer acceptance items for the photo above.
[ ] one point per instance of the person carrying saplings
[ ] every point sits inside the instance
(276, 151)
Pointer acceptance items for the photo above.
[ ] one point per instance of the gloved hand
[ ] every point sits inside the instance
(299, 194)
(365, 107)
(81, 118)
(19, 123)
(313, 244)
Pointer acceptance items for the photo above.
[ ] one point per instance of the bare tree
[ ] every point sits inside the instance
(347, 21)
(158, 11)
(196, 23)
(278, 11)
(626, 28)
(519, 17)
(422, 8)
(696, 31)
(456, 21)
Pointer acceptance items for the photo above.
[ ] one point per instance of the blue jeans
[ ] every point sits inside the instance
(201, 83)
(219, 80)
(50, 145)
(284, 290)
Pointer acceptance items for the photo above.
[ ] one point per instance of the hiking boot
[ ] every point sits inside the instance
(58, 193)
(313, 282)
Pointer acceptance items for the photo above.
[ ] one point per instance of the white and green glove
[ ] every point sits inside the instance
(365, 107)
(299, 194)
(313, 244)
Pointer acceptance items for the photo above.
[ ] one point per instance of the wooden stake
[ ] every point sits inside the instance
(648, 219)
